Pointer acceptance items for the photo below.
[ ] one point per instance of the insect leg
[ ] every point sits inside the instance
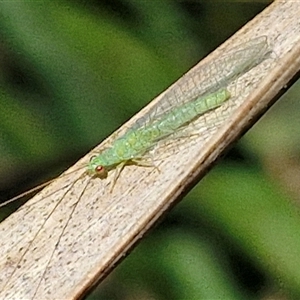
(117, 173)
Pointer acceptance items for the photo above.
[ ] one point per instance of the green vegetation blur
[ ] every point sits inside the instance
(71, 72)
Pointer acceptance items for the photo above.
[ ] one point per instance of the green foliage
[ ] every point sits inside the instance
(71, 72)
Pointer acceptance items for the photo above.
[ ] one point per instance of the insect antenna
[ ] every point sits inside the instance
(37, 188)
(63, 229)
(42, 225)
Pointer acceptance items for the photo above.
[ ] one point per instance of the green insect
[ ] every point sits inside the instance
(132, 146)
(180, 106)
(200, 91)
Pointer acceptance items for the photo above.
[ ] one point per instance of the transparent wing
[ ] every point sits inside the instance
(209, 78)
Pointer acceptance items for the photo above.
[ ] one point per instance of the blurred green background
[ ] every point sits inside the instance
(71, 72)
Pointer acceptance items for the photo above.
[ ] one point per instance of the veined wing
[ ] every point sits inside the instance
(210, 77)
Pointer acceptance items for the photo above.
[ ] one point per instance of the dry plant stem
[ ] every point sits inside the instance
(37, 261)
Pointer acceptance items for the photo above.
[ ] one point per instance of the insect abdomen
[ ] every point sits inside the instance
(187, 112)
(134, 143)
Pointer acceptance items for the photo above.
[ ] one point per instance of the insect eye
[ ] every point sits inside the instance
(99, 169)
